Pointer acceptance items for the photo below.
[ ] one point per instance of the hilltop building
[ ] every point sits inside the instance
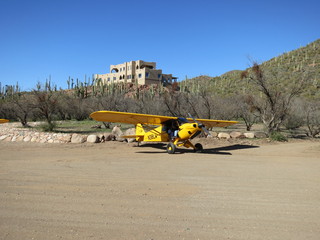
(140, 72)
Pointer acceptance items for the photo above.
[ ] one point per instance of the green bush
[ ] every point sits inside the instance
(277, 136)
(48, 127)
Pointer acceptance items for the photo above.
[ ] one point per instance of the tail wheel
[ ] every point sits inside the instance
(198, 147)
(171, 148)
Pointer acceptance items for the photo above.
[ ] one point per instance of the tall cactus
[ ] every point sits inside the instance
(68, 82)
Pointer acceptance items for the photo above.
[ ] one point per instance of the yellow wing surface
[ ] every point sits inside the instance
(214, 123)
(135, 118)
(131, 118)
(3, 120)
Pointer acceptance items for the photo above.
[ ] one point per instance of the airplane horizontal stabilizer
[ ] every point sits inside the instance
(131, 136)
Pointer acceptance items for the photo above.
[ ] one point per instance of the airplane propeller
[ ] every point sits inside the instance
(202, 126)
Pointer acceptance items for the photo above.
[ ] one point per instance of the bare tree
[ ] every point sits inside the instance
(6, 110)
(207, 103)
(173, 102)
(312, 113)
(22, 108)
(276, 90)
(246, 112)
(224, 107)
(45, 103)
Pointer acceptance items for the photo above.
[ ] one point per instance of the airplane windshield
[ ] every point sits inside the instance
(182, 120)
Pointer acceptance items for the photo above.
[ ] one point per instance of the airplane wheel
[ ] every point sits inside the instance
(171, 148)
(198, 147)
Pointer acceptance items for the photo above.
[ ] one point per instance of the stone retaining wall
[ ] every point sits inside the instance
(10, 132)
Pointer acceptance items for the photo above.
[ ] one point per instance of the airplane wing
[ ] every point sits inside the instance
(135, 118)
(4, 121)
(131, 118)
(214, 123)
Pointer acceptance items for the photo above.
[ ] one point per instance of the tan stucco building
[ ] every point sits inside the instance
(139, 72)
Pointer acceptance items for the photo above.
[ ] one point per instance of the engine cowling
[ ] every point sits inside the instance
(187, 130)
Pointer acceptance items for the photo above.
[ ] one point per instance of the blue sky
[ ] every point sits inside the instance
(62, 38)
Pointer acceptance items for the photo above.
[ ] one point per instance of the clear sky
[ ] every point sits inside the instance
(62, 38)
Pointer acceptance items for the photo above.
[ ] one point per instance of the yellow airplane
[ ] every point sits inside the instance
(3, 120)
(154, 128)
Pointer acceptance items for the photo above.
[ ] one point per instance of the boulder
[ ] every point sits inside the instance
(116, 131)
(93, 138)
(8, 139)
(109, 137)
(33, 139)
(223, 135)
(77, 138)
(213, 134)
(65, 138)
(236, 135)
(249, 135)
(3, 137)
(260, 135)
(130, 131)
(27, 139)
(19, 139)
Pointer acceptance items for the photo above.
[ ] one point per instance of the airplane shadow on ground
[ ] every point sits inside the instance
(218, 150)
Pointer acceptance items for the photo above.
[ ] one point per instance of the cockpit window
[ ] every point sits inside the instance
(182, 120)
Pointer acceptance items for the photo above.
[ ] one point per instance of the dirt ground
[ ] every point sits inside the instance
(118, 191)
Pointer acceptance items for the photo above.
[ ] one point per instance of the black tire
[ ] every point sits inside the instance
(198, 147)
(171, 148)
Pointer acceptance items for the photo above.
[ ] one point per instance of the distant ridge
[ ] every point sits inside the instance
(296, 61)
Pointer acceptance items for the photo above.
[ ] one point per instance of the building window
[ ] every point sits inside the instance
(159, 75)
(114, 78)
(147, 74)
(108, 79)
(140, 75)
(129, 76)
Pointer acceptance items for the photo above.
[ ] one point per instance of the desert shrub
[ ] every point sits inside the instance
(293, 122)
(279, 137)
(48, 127)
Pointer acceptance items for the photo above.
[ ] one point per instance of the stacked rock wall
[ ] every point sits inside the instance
(10, 132)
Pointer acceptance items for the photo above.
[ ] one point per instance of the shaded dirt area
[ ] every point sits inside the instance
(118, 191)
